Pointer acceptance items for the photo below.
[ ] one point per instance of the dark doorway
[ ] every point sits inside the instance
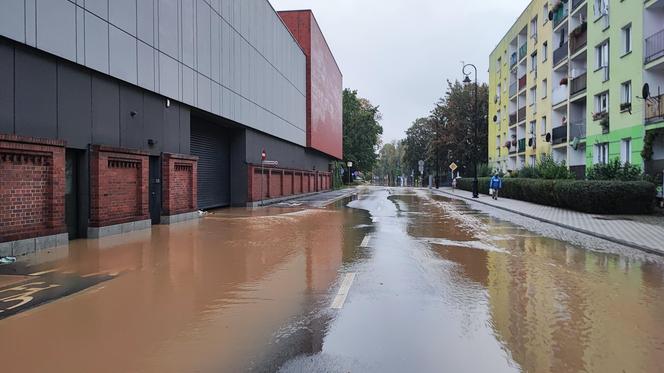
(210, 142)
(72, 177)
(155, 189)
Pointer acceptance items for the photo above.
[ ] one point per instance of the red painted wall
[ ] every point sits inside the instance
(324, 84)
(278, 182)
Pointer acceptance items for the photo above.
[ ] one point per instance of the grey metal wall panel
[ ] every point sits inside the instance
(7, 91)
(56, 28)
(238, 46)
(131, 117)
(288, 155)
(123, 56)
(122, 14)
(96, 43)
(105, 113)
(35, 98)
(171, 129)
(74, 106)
(12, 19)
(153, 123)
(185, 130)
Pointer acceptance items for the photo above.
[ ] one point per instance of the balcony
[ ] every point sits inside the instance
(523, 51)
(560, 54)
(559, 94)
(578, 129)
(513, 60)
(560, 14)
(512, 119)
(576, 3)
(559, 135)
(655, 109)
(578, 84)
(522, 82)
(578, 38)
(521, 115)
(522, 146)
(654, 47)
(513, 87)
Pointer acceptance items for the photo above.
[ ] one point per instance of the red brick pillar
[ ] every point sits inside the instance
(180, 183)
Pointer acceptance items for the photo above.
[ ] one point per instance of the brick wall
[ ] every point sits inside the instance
(118, 186)
(32, 182)
(179, 189)
(282, 182)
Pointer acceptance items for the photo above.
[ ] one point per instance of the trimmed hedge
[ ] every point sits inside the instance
(595, 197)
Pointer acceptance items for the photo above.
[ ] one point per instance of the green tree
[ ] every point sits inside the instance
(390, 161)
(362, 131)
(417, 145)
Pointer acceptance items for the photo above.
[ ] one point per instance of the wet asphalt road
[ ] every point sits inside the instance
(419, 283)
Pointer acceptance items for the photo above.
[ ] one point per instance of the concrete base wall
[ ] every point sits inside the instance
(173, 219)
(32, 245)
(98, 232)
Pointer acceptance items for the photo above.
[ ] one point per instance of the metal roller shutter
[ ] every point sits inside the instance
(212, 148)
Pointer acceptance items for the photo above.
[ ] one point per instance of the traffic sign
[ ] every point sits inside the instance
(270, 163)
(453, 167)
(420, 163)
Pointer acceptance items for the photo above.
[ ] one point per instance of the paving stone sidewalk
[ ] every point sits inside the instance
(641, 232)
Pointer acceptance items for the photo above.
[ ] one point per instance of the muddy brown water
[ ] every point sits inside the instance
(442, 288)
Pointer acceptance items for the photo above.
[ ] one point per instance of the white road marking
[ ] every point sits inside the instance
(365, 241)
(43, 272)
(340, 299)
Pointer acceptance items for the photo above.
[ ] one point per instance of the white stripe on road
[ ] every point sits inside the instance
(43, 272)
(365, 241)
(340, 299)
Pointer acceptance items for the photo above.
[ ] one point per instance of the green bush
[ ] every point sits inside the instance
(596, 197)
(614, 170)
(546, 168)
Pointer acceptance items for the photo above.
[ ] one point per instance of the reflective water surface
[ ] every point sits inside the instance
(440, 288)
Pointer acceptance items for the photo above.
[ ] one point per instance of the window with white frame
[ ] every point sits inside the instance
(545, 88)
(602, 54)
(545, 13)
(498, 141)
(602, 102)
(626, 150)
(545, 51)
(627, 39)
(602, 153)
(533, 27)
(533, 161)
(626, 93)
(533, 127)
(601, 8)
(543, 126)
(533, 96)
(533, 62)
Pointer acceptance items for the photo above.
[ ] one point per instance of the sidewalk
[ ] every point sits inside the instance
(641, 232)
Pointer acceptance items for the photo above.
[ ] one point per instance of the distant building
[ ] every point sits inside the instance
(567, 79)
(115, 115)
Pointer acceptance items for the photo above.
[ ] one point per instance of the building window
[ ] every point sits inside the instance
(545, 51)
(601, 8)
(545, 13)
(602, 53)
(627, 39)
(533, 161)
(543, 126)
(545, 88)
(498, 142)
(626, 93)
(602, 153)
(602, 103)
(533, 96)
(626, 151)
(533, 62)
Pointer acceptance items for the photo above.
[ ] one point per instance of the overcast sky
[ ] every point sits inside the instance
(399, 53)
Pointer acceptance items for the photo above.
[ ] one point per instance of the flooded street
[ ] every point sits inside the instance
(430, 285)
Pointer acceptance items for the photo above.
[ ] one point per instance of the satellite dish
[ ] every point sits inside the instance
(550, 15)
(645, 92)
(531, 141)
(575, 143)
(548, 137)
(495, 118)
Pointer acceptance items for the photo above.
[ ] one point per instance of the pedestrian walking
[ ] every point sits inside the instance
(495, 185)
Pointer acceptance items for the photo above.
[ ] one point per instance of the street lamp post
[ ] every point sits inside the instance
(349, 164)
(467, 81)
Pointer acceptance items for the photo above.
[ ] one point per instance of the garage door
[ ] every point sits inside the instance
(212, 147)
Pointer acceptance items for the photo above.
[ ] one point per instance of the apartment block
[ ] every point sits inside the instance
(580, 80)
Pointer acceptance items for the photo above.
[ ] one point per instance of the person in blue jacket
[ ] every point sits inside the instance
(495, 185)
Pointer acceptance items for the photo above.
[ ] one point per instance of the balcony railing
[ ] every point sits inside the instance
(522, 146)
(559, 94)
(560, 15)
(522, 82)
(521, 114)
(654, 47)
(523, 50)
(560, 54)
(578, 85)
(512, 119)
(513, 60)
(559, 135)
(513, 89)
(578, 129)
(655, 109)
(578, 39)
(576, 3)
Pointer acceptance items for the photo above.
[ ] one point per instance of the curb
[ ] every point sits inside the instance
(572, 228)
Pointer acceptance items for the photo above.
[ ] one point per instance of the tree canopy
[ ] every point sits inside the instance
(362, 131)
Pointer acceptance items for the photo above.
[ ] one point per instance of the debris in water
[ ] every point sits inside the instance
(7, 260)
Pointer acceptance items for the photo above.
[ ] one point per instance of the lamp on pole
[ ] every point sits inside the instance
(349, 164)
(466, 81)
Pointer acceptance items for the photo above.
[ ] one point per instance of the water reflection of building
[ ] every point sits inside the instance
(559, 308)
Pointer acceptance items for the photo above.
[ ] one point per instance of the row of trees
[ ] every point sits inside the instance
(447, 135)
(362, 131)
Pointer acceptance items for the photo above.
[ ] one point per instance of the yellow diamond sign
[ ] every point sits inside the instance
(453, 167)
